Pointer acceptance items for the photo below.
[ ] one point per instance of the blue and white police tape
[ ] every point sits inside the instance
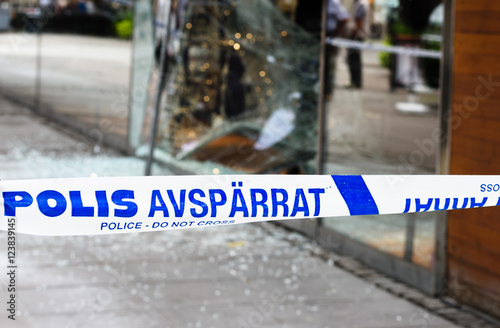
(90, 206)
(399, 50)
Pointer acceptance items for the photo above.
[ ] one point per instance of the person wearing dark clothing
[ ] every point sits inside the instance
(336, 19)
(353, 59)
(234, 97)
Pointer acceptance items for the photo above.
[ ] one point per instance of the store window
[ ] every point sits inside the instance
(382, 113)
(240, 89)
(242, 93)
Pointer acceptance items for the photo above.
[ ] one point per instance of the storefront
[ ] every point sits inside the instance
(223, 87)
(242, 85)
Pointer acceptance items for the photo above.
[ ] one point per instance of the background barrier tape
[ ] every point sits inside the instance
(91, 206)
(400, 50)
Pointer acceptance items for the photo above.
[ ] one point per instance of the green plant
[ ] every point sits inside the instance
(125, 26)
(385, 57)
(400, 28)
(431, 66)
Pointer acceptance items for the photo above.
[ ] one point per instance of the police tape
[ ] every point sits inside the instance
(91, 206)
(399, 50)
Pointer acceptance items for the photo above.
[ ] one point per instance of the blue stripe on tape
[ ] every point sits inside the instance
(358, 198)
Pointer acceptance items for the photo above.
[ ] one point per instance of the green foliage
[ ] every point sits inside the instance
(385, 57)
(431, 66)
(125, 25)
(397, 28)
(400, 28)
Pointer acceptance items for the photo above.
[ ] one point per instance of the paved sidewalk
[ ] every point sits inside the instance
(250, 275)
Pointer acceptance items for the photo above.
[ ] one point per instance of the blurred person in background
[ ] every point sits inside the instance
(356, 32)
(336, 19)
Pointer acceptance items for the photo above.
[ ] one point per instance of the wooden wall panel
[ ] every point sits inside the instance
(476, 286)
(470, 230)
(473, 255)
(473, 251)
(470, 166)
(482, 86)
(480, 128)
(485, 22)
(476, 63)
(472, 43)
(476, 5)
(478, 150)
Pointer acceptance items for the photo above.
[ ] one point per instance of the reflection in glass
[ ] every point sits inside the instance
(389, 123)
(18, 54)
(86, 63)
(81, 63)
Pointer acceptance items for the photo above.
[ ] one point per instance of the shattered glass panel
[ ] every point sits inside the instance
(241, 89)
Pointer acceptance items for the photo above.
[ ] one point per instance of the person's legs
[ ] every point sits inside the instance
(354, 63)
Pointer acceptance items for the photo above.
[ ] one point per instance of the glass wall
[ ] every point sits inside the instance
(382, 113)
(239, 83)
(72, 60)
(18, 57)
(240, 89)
